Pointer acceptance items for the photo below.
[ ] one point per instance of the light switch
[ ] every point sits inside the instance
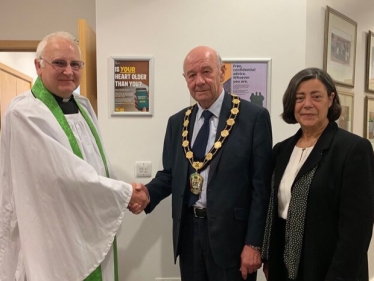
(143, 169)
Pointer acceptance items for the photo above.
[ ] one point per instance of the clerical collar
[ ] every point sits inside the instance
(68, 105)
(60, 99)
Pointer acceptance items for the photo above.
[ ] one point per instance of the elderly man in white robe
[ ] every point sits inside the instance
(60, 206)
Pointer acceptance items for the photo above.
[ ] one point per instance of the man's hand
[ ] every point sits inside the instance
(250, 261)
(139, 199)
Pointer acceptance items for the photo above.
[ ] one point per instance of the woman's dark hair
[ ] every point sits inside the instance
(289, 97)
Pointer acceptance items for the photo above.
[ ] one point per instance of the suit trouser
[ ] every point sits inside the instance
(196, 259)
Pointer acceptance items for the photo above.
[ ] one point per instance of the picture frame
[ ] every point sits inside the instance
(250, 79)
(345, 120)
(131, 85)
(339, 56)
(369, 119)
(369, 79)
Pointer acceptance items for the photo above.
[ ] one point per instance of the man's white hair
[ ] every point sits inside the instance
(51, 37)
(219, 60)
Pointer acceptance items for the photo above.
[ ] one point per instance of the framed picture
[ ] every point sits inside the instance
(131, 85)
(249, 79)
(370, 63)
(345, 120)
(369, 119)
(339, 56)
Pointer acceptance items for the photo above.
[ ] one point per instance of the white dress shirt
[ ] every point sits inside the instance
(213, 124)
(297, 160)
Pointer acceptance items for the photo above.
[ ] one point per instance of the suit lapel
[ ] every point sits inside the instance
(186, 163)
(191, 125)
(323, 144)
(283, 158)
(225, 112)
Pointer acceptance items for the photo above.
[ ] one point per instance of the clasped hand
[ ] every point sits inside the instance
(139, 199)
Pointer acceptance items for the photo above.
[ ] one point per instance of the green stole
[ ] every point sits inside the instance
(42, 93)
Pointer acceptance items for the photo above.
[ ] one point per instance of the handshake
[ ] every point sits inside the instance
(139, 199)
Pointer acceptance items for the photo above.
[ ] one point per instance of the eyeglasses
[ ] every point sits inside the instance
(63, 64)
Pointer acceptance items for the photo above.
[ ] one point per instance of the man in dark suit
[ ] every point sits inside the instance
(218, 227)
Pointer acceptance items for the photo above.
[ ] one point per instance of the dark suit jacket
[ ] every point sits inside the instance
(238, 188)
(339, 218)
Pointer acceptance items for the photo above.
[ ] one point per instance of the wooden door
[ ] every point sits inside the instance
(87, 43)
(12, 83)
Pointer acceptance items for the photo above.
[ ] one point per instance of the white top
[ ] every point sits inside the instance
(58, 213)
(297, 160)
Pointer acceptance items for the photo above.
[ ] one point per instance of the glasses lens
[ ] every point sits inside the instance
(61, 64)
(76, 65)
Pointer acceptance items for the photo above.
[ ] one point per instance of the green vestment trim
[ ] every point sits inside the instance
(42, 93)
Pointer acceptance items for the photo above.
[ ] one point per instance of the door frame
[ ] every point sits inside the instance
(18, 45)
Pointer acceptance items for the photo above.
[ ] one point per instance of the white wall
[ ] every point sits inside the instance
(167, 30)
(22, 62)
(361, 12)
(290, 32)
(32, 20)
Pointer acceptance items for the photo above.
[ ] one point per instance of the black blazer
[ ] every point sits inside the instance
(238, 187)
(339, 218)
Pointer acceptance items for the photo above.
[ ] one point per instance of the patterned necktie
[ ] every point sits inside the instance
(199, 148)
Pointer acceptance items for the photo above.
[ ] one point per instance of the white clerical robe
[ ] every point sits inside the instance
(59, 213)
